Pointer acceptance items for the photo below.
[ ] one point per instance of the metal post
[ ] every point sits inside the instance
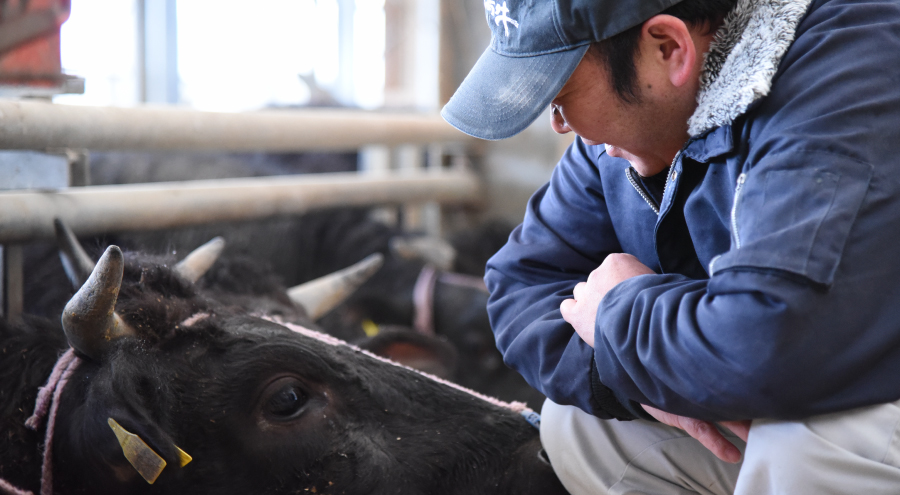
(79, 167)
(25, 170)
(431, 211)
(376, 159)
(158, 51)
(344, 89)
(13, 281)
(409, 159)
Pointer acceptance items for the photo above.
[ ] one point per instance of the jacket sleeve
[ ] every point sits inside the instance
(565, 235)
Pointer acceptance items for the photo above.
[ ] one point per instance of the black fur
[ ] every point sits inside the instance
(365, 426)
(28, 351)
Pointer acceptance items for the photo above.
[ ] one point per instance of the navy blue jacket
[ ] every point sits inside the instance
(776, 245)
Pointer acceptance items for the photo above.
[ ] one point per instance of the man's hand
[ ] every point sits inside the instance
(581, 312)
(706, 433)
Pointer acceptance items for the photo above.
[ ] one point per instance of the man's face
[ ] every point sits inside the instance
(589, 106)
(649, 131)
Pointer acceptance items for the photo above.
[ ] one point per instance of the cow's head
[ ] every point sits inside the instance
(262, 408)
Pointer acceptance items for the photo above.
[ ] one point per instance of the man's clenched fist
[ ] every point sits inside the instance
(581, 312)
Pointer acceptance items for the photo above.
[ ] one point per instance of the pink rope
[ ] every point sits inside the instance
(47, 470)
(44, 393)
(423, 294)
(5, 487)
(517, 407)
(46, 406)
(423, 300)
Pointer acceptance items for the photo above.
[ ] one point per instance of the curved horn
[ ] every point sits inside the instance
(75, 260)
(323, 294)
(194, 265)
(89, 321)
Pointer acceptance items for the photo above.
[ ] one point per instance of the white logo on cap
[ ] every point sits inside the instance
(500, 14)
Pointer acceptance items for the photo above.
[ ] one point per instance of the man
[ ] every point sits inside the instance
(736, 181)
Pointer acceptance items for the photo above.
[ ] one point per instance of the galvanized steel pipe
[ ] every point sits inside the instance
(29, 215)
(35, 125)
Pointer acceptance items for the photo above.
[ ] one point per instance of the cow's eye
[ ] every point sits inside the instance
(286, 401)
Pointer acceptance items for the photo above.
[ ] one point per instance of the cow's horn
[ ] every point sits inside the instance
(89, 321)
(76, 262)
(323, 294)
(194, 265)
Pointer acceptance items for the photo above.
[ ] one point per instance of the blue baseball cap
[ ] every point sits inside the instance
(535, 47)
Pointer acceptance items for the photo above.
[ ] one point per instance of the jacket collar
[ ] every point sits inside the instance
(743, 59)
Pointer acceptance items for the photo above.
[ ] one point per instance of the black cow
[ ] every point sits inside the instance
(258, 407)
(249, 287)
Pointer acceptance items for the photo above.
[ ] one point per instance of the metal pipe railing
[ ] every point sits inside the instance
(29, 215)
(39, 125)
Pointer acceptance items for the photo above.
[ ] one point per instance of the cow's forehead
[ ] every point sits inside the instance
(250, 343)
(517, 407)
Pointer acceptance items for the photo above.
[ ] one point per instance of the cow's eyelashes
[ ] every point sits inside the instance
(286, 400)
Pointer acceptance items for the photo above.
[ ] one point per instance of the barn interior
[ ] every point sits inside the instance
(305, 133)
(172, 170)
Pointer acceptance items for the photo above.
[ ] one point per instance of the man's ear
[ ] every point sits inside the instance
(669, 45)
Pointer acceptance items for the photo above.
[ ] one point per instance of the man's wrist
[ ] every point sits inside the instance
(607, 405)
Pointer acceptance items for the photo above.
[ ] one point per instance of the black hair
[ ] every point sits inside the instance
(618, 53)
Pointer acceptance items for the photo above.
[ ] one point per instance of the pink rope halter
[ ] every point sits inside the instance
(46, 406)
(423, 294)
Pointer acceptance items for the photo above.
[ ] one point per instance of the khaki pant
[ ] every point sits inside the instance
(854, 453)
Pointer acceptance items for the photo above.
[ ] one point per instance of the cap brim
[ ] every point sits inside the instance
(502, 95)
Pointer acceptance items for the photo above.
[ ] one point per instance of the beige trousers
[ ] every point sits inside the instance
(854, 453)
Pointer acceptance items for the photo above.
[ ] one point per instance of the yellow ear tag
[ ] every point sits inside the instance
(183, 458)
(147, 462)
(370, 328)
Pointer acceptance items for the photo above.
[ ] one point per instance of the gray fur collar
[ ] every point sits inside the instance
(743, 58)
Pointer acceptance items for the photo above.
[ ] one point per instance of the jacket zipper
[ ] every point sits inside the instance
(737, 196)
(630, 172)
(671, 172)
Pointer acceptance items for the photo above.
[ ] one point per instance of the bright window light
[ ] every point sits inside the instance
(100, 45)
(234, 55)
(325, 43)
(368, 53)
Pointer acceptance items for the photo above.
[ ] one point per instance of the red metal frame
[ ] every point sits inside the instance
(32, 52)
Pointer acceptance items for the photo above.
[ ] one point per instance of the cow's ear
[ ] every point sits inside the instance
(403, 345)
(149, 450)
